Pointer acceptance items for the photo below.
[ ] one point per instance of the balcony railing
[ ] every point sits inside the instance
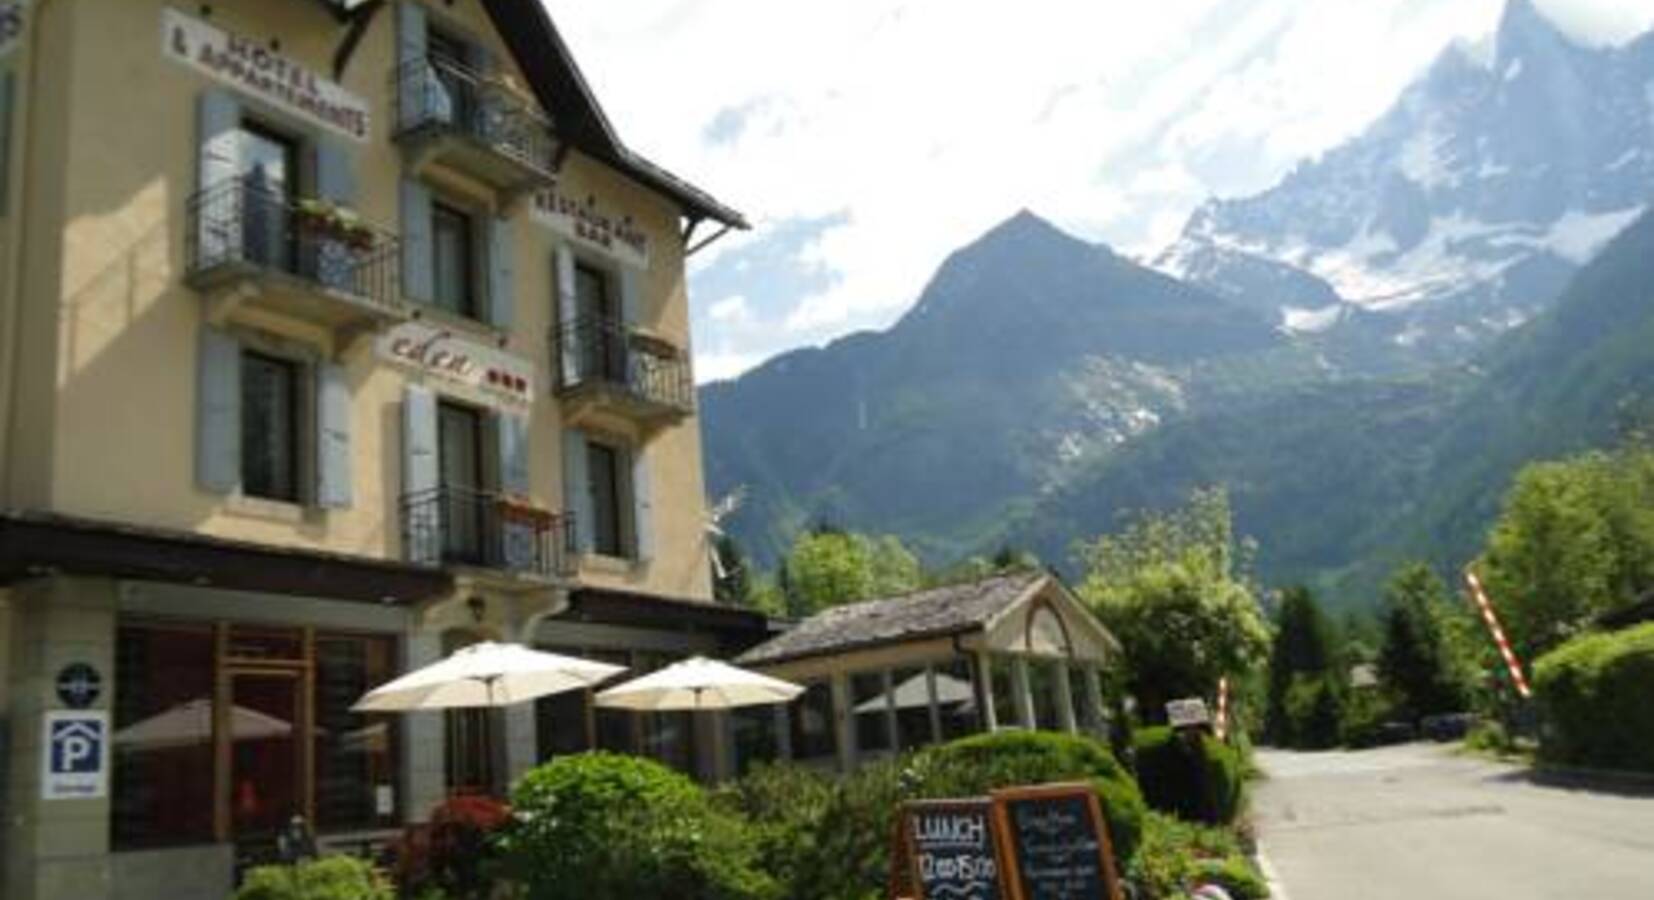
(462, 527)
(239, 227)
(440, 96)
(603, 354)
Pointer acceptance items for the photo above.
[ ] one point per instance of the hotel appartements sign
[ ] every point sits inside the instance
(257, 70)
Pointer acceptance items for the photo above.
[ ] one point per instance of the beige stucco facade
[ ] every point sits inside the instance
(102, 393)
(100, 380)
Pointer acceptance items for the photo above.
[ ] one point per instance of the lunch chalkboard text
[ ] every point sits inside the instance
(1055, 844)
(947, 850)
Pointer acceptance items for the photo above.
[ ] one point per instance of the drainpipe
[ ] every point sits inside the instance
(27, 77)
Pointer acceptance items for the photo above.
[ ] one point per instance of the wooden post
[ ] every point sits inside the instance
(890, 717)
(985, 689)
(935, 705)
(1094, 701)
(1022, 695)
(1065, 698)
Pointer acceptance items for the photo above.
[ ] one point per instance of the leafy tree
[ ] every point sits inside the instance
(1303, 649)
(1013, 559)
(1415, 659)
(827, 567)
(1167, 586)
(1575, 539)
(734, 586)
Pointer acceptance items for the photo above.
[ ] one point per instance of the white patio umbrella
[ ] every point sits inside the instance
(698, 683)
(190, 723)
(486, 674)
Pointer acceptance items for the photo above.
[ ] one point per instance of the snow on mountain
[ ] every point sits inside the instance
(1466, 206)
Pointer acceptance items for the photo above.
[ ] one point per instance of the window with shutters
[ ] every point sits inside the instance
(270, 427)
(453, 247)
(609, 485)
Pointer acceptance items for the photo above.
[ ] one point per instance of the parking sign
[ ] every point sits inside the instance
(75, 755)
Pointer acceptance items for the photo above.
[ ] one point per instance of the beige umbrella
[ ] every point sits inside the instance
(486, 674)
(698, 683)
(190, 723)
(914, 694)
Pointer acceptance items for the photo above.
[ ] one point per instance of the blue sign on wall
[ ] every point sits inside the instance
(75, 755)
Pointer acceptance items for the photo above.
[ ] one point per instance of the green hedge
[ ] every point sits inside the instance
(601, 826)
(1198, 783)
(327, 878)
(1177, 857)
(977, 764)
(1594, 691)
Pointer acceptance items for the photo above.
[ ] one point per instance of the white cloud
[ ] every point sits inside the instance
(924, 122)
(729, 309)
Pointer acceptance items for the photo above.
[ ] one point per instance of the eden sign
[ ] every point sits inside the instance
(256, 69)
(447, 356)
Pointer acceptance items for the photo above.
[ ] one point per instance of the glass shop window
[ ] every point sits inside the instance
(811, 720)
(356, 754)
(162, 788)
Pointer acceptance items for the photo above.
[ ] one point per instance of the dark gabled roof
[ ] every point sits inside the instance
(555, 79)
(938, 612)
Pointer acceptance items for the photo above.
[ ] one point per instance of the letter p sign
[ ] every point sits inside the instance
(75, 754)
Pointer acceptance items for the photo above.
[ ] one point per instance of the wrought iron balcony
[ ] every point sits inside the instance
(472, 123)
(449, 526)
(247, 244)
(603, 364)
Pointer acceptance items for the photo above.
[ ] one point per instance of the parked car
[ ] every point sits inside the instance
(1449, 727)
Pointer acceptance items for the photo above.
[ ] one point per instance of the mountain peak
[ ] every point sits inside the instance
(1522, 27)
(1025, 223)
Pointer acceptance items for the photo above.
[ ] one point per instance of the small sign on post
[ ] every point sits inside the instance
(1055, 843)
(1188, 713)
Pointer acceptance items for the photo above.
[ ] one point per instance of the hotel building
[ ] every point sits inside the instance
(333, 336)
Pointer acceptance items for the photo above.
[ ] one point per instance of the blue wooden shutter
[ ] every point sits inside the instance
(511, 440)
(418, 246)
(643, 506)
(218, 214)
(421, 508)
(501, 283)
(218, 412)
(568, 315)
(333, 460)
(411, 76)
(577, 488)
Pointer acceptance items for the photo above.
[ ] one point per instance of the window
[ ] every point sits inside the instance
(956, 695)
(459, 472)
(356, 763)
(163, 743)
(603, 340)
(570, 723)
(453, 247)
(606, 469)
(167, 753)
(912, 692)
(269, 427)
(269, 172)
(811, 721)
(872, 710)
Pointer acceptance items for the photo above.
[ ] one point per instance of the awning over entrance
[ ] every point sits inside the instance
(35, 545)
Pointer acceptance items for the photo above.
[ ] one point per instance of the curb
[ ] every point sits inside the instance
(1277, 891)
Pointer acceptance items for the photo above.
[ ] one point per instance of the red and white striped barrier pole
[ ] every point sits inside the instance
(1222, 727)
(1498, 633)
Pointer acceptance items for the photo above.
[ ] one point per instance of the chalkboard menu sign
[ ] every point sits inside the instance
(1055, 844)
(947, 850)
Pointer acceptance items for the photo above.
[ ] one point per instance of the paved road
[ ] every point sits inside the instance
(1418, 823)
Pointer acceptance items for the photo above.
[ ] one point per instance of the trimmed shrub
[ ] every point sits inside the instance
(1195, 777)
(1314, 711)
(601, 826)
(327, 878)
(785, 806)
(1594, 692)
(977, 764)
(1177, 857)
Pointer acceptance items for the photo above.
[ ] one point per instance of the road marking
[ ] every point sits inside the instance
(1277, 890)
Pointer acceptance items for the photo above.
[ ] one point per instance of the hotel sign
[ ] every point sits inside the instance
(442, 354)
(256, 69)
(585, 222)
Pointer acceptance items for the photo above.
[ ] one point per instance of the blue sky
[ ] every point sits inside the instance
(868, 139)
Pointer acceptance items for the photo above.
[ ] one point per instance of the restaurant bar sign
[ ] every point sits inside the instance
(440, 353)
(263, 73)
(584, 221)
